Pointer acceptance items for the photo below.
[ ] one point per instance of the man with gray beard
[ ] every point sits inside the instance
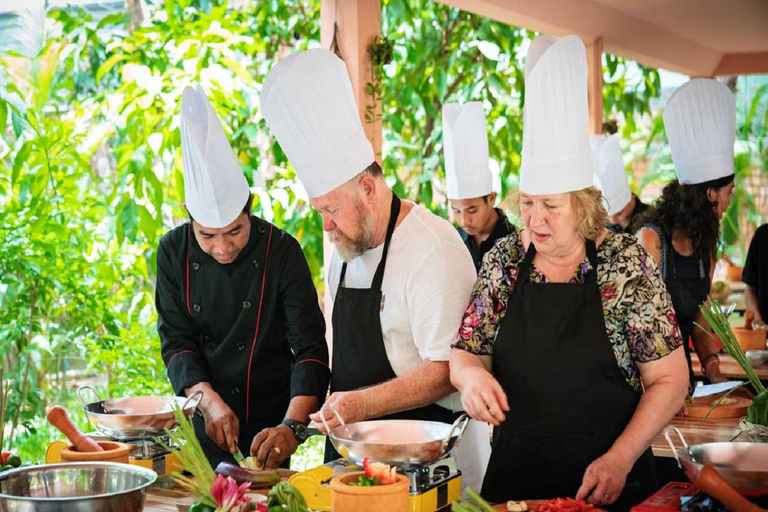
(400, 276)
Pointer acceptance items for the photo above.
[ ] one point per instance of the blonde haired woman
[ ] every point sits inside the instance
(565, 319)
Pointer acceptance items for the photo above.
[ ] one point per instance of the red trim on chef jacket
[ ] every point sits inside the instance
(178, 354)
(258, 321)
(311, 361)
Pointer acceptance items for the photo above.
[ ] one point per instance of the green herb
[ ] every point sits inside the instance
(475, 503)
(366, 481)
(286, 495)
(192, 458)
(757, 412)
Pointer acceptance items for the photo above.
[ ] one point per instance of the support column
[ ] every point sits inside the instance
(595, 84)
(358, 24)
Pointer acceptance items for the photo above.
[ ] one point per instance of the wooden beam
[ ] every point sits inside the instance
(742, 64)
(623, 34)
(358, 25)
(595, 84)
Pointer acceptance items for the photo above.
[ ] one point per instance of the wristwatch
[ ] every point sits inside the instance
(299, 429)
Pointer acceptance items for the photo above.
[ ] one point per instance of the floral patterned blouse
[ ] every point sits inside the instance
(639, 317)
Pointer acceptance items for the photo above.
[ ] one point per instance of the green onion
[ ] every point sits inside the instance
(713, 314)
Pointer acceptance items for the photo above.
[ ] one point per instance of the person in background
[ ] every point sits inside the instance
(468, 179)
(238, 315)
(682, 231)
(569, 344)
(399, 276)
(624, 207)
(755, 276)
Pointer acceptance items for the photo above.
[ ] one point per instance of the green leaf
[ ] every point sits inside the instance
(129, 219)
(3, 115)
(107, 66)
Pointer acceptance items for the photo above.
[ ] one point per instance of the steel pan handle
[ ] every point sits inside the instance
(199, 394)
(461, 423)
(335, 412)
(88, 388)
(668, 436)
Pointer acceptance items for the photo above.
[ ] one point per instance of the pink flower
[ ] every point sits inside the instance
(228, 495)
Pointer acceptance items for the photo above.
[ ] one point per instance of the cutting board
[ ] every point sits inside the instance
(533, 505)
(735, 408)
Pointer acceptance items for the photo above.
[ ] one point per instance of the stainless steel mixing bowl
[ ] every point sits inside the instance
(75, 487)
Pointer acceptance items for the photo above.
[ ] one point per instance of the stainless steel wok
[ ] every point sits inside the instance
(743, 465)
(141, 417)
(401, 443)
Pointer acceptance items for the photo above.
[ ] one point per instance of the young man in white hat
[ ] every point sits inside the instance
(468, 179)
(624, 207)
(238, 315)
(399, 276)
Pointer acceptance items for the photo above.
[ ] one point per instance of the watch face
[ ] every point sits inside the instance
(300, 431)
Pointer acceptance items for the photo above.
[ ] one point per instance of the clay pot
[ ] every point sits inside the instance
(749, 338)
(351, 498)
(734, 273)
(113, 452)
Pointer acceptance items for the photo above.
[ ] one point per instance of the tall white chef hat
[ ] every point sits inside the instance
(610, 176)
(215, 189)
(700, 120)
(308, 103)
(465, 144)
(556, 154)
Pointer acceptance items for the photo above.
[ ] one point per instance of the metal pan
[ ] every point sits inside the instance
(402, 443)
(743, 465)
(141, 417)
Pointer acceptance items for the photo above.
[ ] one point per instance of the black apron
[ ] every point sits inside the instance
(359, 357)
(687, 295)
(569, 400)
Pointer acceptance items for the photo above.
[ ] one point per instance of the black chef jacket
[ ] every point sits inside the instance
(208, 315)
(756, 268)
(502, 228)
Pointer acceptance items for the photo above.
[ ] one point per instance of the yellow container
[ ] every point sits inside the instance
(352, 498)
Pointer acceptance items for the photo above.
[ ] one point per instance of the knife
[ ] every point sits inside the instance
(713, 389)
(240, 459)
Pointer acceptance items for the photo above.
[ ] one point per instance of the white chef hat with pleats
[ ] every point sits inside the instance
(215, 189)
(308, 103)
(465, 145)
(700, 120)
(610, 176)
(556, 156)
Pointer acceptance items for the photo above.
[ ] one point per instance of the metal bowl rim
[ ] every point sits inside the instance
(439, 424)
(178, 400)
(68, 465)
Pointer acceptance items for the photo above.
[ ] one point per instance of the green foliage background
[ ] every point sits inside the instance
(90, 167)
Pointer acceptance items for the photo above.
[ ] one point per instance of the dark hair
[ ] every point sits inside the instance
(687, 207)
(373, 170)
(246, 208)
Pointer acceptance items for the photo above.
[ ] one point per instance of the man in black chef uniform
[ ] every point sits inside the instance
(238, 315)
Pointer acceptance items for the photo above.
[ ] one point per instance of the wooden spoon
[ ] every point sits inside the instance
(59, 418)
(710, 481)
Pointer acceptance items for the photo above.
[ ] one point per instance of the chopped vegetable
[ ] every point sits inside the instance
(475, 503)
(566, 505)
(257, 478)
(366, 481)
(285, 497)
(383, 472)
(515, 506)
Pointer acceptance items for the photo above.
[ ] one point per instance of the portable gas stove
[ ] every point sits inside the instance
(680, 496)
(433, 487)
(145, 453)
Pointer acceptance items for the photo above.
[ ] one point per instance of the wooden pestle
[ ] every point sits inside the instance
(748, 316)
(712, 483)
(59, 418)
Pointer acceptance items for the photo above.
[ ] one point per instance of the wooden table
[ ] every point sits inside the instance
(162, 500)
(713, 430)
(730, 368)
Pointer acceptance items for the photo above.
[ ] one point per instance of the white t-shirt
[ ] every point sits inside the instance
(427, 283)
